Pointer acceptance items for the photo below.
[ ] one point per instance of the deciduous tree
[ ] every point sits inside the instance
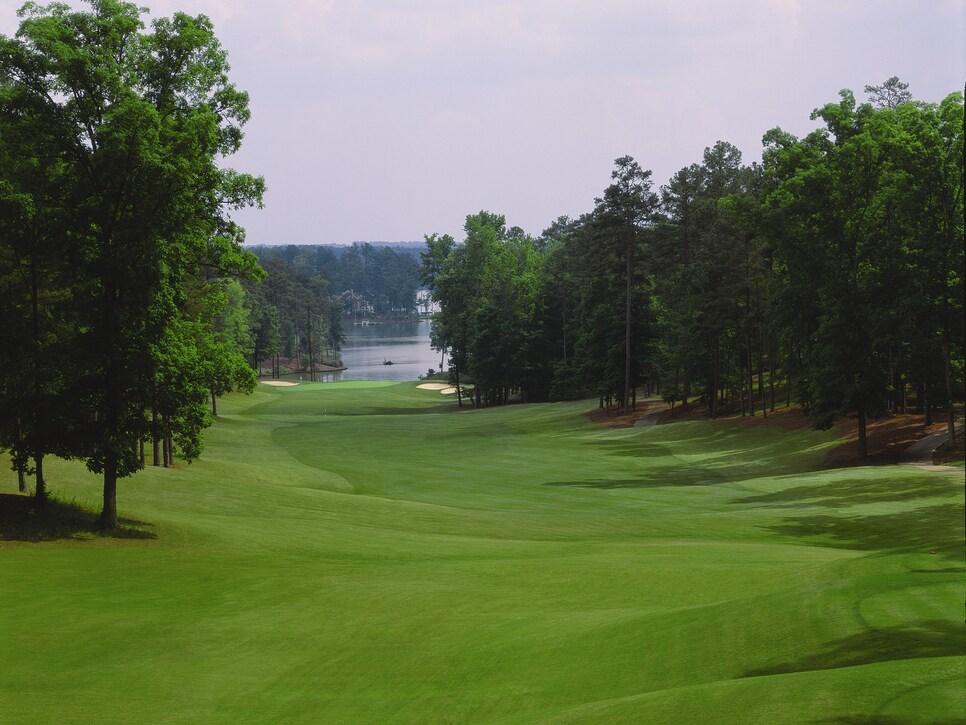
(142, 119)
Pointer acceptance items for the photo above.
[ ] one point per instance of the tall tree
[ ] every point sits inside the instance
(858, 221)
(626, 209)
(891, 94)
(143, 119)
(35, 281)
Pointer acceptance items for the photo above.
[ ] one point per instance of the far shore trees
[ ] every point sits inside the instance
(130, 129)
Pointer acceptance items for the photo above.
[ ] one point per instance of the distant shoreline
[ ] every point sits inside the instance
(318, 369)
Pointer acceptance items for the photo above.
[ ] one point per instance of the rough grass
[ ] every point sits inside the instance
(362, 552)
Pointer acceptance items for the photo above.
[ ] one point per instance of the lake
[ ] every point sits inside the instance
(406, 344)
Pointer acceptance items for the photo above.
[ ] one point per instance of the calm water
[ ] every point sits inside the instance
(406, 344)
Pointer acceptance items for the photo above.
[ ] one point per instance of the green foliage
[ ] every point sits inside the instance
(122, 137)
(859, 206)
(383, 279)
(541, 316)
(833, 270)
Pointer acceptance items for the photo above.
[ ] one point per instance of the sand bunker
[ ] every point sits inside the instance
(278, 383)
(433, 386)
(448, 391)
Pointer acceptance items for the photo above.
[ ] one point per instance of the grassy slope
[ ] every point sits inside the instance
(361, 553)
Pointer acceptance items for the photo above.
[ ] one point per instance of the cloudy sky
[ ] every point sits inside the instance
(391, 119)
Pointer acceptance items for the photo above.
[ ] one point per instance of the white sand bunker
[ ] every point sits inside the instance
(448, 391)
(433, 386)
(278, 383)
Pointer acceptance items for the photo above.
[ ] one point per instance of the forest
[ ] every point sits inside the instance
(829, 274)
(296, 312)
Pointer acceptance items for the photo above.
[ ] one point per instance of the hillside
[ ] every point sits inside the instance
(363, 552)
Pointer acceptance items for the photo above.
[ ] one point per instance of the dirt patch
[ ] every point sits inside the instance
(886, 439)
(785, 418)
(613, 418)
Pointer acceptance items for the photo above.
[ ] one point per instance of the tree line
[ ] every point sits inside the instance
(297, 311)
(120, 304)
(829, 274)
(382, 279)
(295, 318)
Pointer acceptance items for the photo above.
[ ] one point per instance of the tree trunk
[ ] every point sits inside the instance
(950, 415)
(169, 444)
(214, 403)
(741, 378)
(627, 328)
(564, 329)
(456, 369)
(894, 382)
(714, 383)
(166, 450)
(308, 332)
(155, 439)
(771, 371)
(761, 369)
(788, 380)
(41, 491)
(863, 443)
(21, 480)
(751, 380)
(108, 518)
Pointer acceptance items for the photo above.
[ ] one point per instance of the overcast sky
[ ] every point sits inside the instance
(390, 119)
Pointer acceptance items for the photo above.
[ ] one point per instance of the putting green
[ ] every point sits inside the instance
(365, 552)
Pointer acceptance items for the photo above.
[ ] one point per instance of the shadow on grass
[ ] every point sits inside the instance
(880, 720)
(850, 492)
(21, 519)
(371, 410)
(925, 527)
(935, 638)
(665, 476)
(726, 454)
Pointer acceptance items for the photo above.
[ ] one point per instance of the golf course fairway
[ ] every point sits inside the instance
(367, 553)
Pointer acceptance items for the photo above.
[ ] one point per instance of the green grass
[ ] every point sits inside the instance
(361, 552)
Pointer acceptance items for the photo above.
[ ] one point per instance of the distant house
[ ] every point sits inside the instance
(355, 303)
(425, 304)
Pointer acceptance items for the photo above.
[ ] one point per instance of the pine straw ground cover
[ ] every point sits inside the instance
(361, 552)
(886, 438)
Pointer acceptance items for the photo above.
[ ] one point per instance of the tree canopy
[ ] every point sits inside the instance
(118, 134)
(832, 271)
